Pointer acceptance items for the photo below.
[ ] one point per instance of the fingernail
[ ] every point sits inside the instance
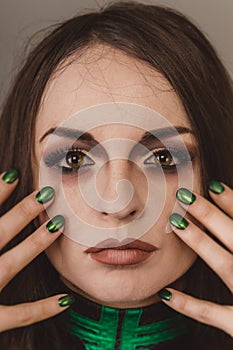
(178, 221)
(185, 196)
(215, 186)
(10, 176)
(45, 195)
(67, 300)
(55, 223)
(165, 294)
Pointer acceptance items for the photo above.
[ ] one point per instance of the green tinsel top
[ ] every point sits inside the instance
(100, 327)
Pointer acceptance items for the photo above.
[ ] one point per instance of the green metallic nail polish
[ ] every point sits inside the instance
(45, 195)
(67, 300)
(178, 221)
(55, 223)
(165, 294)
(216, 187)
(185, 196)
(10, 176)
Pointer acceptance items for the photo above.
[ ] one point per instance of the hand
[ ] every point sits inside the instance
(220, 223)
(18, 257)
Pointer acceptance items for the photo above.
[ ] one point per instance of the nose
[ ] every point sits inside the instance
(122, 187)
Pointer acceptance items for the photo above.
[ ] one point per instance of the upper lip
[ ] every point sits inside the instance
(125, 244)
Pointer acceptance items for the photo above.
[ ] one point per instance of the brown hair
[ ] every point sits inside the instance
(171, 44)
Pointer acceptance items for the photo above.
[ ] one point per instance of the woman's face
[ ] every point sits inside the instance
(105, 75)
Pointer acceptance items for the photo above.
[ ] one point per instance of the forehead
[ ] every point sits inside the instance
(101, 75)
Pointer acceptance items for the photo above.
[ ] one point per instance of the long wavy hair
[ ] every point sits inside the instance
(172, 45)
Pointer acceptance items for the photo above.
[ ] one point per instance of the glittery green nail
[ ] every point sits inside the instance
(178, 221)
(67, 300)
(45, 195)
(55, 223)
(10, 176)
(185, 196)
(216, 187)
(165, 294)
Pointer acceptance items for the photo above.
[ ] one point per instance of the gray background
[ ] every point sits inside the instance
(20, 19)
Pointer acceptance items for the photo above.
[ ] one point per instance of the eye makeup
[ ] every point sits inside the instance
(170, 159)
(71, 159)
(63, 158)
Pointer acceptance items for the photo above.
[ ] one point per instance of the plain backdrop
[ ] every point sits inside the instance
(20, 19)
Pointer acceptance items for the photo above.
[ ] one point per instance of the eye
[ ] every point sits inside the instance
(169, 160)
(164, 158)
(68, 160)
(74, 158)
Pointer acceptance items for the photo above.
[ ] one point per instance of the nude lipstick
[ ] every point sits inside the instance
(127, 252)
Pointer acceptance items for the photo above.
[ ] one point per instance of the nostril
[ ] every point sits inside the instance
(131, 214)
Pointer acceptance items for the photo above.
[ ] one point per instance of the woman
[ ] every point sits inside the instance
(155, 58)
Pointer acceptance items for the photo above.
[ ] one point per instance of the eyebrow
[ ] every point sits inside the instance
(147, 137)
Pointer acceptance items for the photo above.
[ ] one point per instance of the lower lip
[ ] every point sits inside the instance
(121, 256)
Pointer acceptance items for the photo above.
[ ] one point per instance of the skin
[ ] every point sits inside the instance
(100, 282)
(60, 101)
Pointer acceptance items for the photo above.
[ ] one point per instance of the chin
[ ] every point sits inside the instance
(120, 294)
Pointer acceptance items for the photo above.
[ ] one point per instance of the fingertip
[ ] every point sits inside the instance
(56, 224)
(10, 176)
(45, 195)
(216, 187)
(178, 221)
(165, 294)
(66, 300)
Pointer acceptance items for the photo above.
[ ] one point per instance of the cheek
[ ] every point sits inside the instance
(76, 201)
(65, 254)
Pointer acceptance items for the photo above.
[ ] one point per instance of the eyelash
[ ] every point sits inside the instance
(53, 159)
(183, 158)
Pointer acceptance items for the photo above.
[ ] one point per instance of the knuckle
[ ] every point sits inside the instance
(14, 317)
(200, 311)
(6, 269)
(228, 326)
(28, 207)
(3, 229)
(24, 315)
(197, 239)
(44, 309)
(204, 313)
(182, 304)
(229, 267)
(205, 212)
(36, 311)
(37, 243)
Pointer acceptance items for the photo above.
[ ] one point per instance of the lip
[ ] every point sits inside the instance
(121, 257)
(129, 252)
(125, 244)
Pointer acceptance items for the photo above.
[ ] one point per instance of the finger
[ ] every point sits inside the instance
(218, 258)
(18, 257)
(209, 216)
(23, 213)
(8, 182)
(28, 313)
(222, 195)
(219, 316)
